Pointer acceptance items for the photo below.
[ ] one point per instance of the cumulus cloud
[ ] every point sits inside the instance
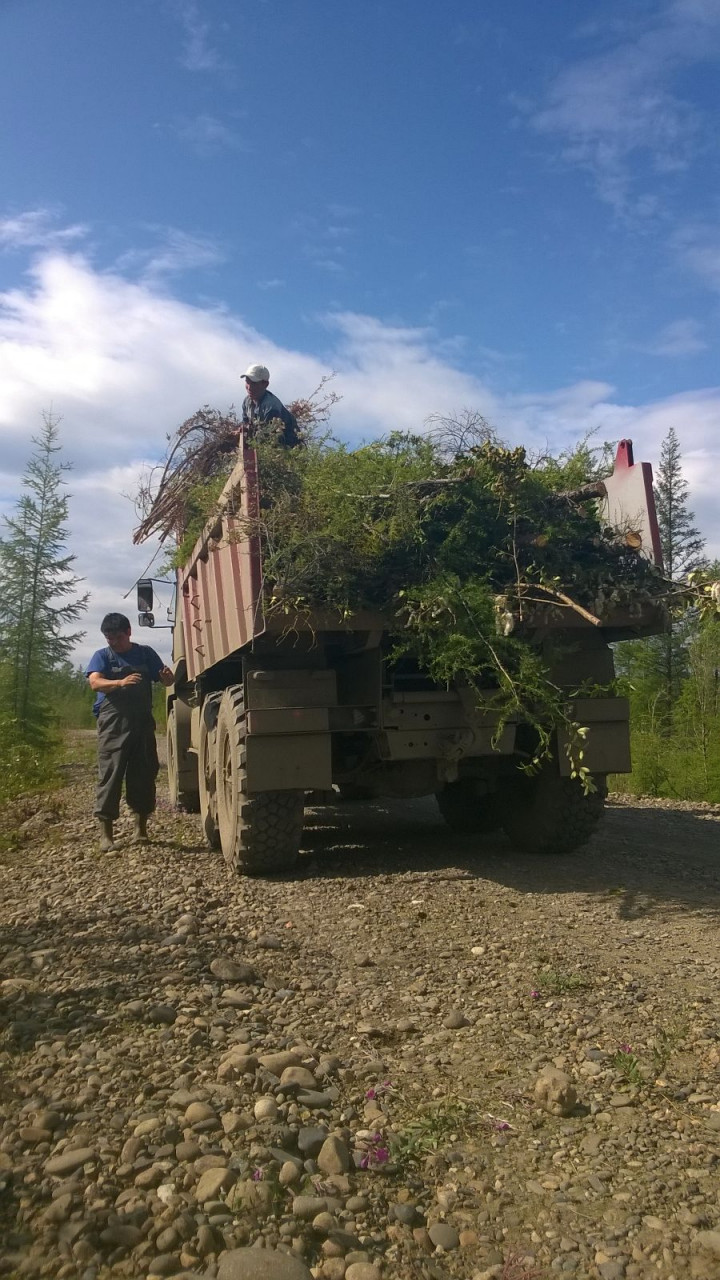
(122, 363)
(617, 109)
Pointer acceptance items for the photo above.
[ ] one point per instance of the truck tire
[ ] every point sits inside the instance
(551, 814)
(468, 810)
(207, 770)
(181, 797)
(259, 834)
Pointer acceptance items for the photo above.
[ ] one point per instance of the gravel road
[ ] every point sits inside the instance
(420, 1057)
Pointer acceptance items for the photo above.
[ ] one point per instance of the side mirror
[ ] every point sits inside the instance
(145, 602)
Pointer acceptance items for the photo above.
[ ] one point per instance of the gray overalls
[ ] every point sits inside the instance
(126, 744)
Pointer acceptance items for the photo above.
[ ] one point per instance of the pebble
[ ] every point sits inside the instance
(444, 1235)
(310, 1139)
(333, 1156)
(294, 1078)
(556, 1092)
(308, 1207)
(265, 1109)
(260, 1264)
(69, 1161)
(211, 1183)
(232, 970)
(455, 1019)
(199, 1111)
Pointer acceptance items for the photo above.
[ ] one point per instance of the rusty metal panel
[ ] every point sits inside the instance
(291, 689)
(288, 720)
(302, 762)
(220, 586)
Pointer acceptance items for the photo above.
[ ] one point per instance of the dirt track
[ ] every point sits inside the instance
(402, 962)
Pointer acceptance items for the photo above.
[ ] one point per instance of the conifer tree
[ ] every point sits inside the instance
(656, 668)
(683, 545)
(39, 597)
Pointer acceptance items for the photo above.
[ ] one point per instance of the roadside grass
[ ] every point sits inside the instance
(556, 982)
(435, 1125)
(665, 1043)
(626, 1062)
(32, 778)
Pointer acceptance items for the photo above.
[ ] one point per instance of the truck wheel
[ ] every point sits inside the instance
(550, 814)
(468, 810)
(180, 796)
(207, 770)
(259, 833)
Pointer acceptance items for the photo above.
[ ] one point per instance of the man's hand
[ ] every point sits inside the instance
(133, 678)
(166, 676)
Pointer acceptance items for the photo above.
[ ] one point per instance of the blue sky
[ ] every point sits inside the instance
(505, 206)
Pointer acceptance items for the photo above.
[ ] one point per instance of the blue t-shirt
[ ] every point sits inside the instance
(114, 666)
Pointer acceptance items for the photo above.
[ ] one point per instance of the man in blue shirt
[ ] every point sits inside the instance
(122, 676)
(260, 406)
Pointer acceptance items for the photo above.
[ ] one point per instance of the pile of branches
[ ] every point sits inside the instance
(201, 450)
(174, 494)
(375, 527)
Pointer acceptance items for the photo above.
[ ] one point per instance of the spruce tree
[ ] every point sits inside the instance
(682, 544)
(39, 598)
(655, 669)
(682, 547)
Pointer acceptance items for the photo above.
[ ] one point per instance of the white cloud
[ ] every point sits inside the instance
(122, 363)
(198, 53)
(175, 251)
(698, 247)
(207, 135)
(34, 230)
(616, 108)
(677, 339)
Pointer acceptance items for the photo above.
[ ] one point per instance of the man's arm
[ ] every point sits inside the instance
(158, 670)
(99, 684)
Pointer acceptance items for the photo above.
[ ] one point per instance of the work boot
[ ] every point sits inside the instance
(140, 835)
(106, 835)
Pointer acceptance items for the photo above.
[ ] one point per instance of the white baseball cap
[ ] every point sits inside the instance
(257, 373)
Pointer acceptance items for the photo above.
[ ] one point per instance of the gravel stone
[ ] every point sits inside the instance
(232, 971)
(556, 1092)
(333, 1156)
(444, 1235)
(69, 1161)
(260, 1264)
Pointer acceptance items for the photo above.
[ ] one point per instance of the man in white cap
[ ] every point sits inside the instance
(261, 406)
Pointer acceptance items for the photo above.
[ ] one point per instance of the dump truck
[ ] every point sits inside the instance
(266, 710)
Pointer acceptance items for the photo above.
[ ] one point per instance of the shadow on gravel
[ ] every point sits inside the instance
(640, 856)
(92, 968)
